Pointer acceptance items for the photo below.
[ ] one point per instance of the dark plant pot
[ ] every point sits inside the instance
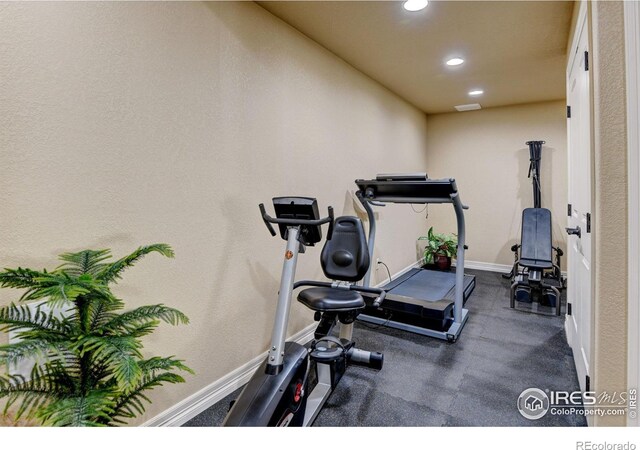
(442, 261)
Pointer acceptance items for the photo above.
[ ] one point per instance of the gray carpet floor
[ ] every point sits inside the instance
(473, 382)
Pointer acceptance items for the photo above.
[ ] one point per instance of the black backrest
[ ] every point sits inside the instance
(536, 251)
(346, 256)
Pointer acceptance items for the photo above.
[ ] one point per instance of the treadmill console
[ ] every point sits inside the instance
(407, 188)
(419, 176)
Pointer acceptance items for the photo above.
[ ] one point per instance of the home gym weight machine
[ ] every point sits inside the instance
(536, 274)
(294, 382)
(422, 301)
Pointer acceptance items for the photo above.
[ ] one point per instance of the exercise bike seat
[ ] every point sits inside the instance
(330, 299)
(345, 258)
(536, 250)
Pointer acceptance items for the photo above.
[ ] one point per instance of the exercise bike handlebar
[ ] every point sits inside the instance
(268, 220)
(376, 303)
(371, 290)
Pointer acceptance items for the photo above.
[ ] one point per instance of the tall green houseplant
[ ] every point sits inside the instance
(89, 369)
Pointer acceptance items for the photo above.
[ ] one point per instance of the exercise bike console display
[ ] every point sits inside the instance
(299, 208)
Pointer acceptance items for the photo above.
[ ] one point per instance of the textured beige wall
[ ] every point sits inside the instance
(132, 123)
(485, 152)
(610, 215)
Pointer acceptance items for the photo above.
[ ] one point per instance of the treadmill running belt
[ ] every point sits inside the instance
(428, 285)
(420, 285)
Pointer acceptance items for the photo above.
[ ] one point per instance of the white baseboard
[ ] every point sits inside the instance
(488, 267)
(190, 407)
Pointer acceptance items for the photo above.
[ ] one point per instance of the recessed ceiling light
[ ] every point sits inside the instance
(455, 62)
(415, 5)
(476, 92)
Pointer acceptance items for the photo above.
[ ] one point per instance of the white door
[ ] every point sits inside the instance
(579, 288)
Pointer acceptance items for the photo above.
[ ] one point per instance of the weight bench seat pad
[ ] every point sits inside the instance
(330, 299)
(536, 250)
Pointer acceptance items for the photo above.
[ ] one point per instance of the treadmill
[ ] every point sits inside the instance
(427, 302)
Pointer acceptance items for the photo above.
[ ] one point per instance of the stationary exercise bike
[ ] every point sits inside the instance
(292, 385)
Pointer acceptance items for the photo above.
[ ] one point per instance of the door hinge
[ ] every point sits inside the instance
(569, 210)
(586, 60)
(587, 383)
(588, 222)
(568, 309)
(568, 112)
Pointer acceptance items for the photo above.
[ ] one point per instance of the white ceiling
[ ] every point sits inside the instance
(515, 51)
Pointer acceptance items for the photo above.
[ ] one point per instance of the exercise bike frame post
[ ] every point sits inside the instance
(280, 391)
(279, 333)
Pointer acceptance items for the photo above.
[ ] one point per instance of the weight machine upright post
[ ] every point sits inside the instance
(535, 156)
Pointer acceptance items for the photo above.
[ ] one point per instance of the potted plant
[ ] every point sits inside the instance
(440, 249)
(89, 369)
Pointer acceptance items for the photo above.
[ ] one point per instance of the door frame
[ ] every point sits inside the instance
(632, 58)
(583, 26)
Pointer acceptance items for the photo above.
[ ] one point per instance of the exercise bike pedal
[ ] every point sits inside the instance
(321, 351)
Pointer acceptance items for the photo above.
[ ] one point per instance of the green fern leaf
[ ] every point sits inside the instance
(159, 363)
(84, 262)
(126, 404)
(90, 410)
(101, 310)
(120, 353)
(49, 346)
(20, 278)
(32, 393)
(143, 314)
(20, 317)
(113, 272)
